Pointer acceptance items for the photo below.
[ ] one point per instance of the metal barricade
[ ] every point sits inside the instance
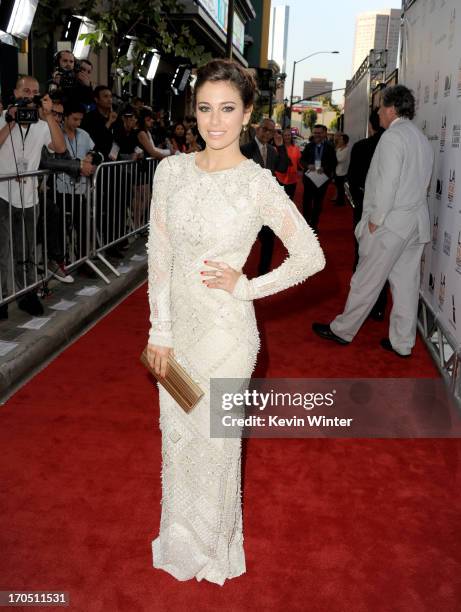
(21, 221)
(69, 211)
(49, 220)
(121, 201)
(44, 230)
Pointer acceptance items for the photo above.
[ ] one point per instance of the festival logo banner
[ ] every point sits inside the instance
(455, 135)
(451, 195)
(442, 287)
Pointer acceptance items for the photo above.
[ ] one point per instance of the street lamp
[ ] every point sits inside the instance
(294, 68)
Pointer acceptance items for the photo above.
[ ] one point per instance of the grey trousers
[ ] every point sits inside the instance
(23, 247)
(384, 256)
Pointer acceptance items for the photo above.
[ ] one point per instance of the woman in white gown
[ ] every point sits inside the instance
(207, 210)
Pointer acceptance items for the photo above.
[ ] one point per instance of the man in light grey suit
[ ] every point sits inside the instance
(394, 227)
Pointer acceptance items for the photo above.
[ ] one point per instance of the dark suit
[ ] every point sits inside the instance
(277, 158)
(361, 155)
(313, 196)
(277, 161)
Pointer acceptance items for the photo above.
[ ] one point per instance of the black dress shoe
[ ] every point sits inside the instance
(387, 346)
(323, 330)
(3, 312)
(31, 304)
(377, 315)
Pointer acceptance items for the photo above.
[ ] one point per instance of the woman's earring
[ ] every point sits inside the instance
(245, 127)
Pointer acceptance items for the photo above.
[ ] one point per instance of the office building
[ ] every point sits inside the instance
(317, 88)
(278, 36)
(377, 30)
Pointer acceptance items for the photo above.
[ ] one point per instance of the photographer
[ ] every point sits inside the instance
(73, 78)
(20, 150)
(63, 78)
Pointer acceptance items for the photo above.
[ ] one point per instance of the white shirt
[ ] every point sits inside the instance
(262, 149)
(28, 148)
(344, 157)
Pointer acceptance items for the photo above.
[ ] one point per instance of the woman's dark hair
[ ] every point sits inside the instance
(194, 130)
(401, 98)
(292, 138)
(227, 70)
(181, 140)
(144, 113)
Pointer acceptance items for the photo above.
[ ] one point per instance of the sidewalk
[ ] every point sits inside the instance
(24, 351)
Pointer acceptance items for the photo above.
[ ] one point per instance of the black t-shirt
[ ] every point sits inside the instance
(95, 124)
(127, 141)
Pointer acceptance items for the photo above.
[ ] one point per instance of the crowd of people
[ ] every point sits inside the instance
(78, 126)
(81, 126)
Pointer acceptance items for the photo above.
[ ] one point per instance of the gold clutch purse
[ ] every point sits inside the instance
(177, 382)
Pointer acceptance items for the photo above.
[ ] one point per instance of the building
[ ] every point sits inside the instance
(278, 35)
(316, 88)
(257, 35)
(377, 30)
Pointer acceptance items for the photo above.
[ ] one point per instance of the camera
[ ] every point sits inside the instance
(96, 157)
(26, 110)
(68, 77)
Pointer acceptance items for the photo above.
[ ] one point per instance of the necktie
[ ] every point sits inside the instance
(264, 154)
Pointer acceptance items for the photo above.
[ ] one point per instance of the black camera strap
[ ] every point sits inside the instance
(21, 196)
(23, 138)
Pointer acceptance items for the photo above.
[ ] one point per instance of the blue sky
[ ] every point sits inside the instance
(321, 26)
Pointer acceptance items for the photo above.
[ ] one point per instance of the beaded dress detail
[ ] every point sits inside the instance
(197, 216)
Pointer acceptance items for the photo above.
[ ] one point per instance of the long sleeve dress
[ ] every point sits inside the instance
(196, 216)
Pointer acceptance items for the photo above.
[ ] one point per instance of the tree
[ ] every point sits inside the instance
(334, 124)
(154, 24)
(309, 118)
(279, 110)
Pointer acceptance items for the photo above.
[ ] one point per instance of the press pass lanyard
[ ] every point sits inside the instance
(74, 152)
(24, 138)
(23, 162)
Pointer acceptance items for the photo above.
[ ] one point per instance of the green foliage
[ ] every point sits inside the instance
(150, 22)
(309, 118)
(334, 124)
(279, 110)
(257, 114)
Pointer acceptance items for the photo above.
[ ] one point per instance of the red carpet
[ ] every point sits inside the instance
(330, 525)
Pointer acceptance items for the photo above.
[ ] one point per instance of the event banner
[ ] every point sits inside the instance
(431, 67)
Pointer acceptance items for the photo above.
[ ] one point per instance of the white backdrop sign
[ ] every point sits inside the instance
(431, 67)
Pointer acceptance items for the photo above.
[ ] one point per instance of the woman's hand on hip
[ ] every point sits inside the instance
(221, 276)
(157, 356)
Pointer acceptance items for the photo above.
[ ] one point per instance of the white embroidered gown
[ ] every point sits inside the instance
(198, 215)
